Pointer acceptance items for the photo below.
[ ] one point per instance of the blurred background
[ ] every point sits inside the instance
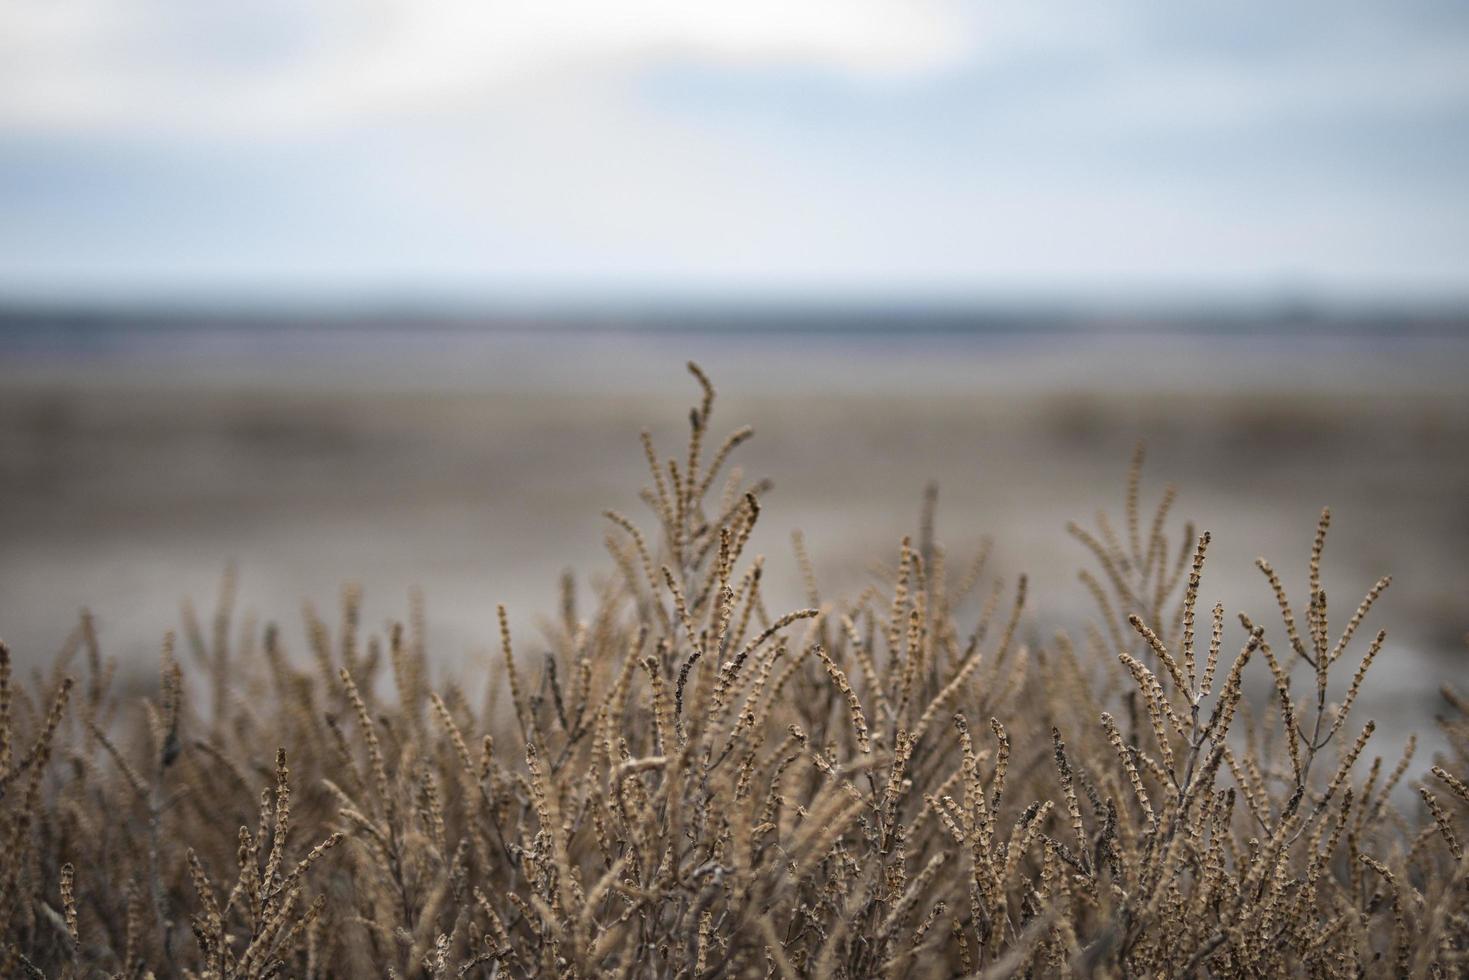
(384, 291)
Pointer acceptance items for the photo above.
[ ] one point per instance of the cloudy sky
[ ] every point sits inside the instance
(488, 149)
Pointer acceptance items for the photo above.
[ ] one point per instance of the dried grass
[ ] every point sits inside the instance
(680, 784)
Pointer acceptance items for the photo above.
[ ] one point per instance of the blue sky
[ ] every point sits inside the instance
(829, 148)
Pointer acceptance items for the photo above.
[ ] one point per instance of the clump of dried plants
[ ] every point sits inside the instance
(672, 779)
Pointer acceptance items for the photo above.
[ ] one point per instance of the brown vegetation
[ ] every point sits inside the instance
(676, 781)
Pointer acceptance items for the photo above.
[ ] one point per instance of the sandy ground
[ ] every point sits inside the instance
(478, 469)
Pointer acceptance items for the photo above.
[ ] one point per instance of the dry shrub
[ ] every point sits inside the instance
(681, 782)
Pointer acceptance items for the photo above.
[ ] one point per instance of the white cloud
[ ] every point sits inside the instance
(222, 66)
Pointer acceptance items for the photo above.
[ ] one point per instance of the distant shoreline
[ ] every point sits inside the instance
(26, 323)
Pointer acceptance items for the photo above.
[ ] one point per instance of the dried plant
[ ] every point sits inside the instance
(682, 782)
